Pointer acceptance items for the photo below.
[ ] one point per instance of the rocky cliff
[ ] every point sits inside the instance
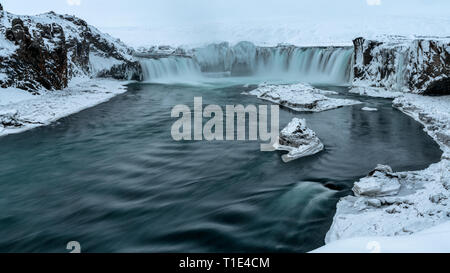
(48, 50)
(419, 65)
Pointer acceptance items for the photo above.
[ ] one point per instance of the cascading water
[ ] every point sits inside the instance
(330, 65)
(170, 69)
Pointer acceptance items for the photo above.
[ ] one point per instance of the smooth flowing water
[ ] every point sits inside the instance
(112, 178)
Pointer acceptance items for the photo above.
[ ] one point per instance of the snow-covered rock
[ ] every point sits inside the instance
(301, 97)
(380, 182)
(417, 65)
(48, 50)
(10, 118)
(298, 140)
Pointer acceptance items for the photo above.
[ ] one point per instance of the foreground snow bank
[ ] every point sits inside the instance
(433, 240)
(392, 204)
(298, 140)
(20, 110)
(301, 97)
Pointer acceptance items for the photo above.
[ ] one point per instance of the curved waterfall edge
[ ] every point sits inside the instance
(320, 65)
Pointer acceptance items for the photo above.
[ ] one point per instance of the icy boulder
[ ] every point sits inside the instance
(298, 140)
(301, 97)
(10, 118)
(380, 182)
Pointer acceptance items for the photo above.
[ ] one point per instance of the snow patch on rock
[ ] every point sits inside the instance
(301, 97)
(298, 140)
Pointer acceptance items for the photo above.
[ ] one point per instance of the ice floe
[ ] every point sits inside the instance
(369, 109)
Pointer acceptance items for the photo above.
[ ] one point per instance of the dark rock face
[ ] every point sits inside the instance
(131, 71)
(417, 65)
(49, 55)
(438, 88)
(39, 61)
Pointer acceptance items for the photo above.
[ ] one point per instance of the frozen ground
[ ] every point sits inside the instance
(299, 30)
(375, 92)
(432, 240)
(300, 97)
(21, 110)
(388, 204)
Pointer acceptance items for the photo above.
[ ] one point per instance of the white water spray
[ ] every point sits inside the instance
(330, 65)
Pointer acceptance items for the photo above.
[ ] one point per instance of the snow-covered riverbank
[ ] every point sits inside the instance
(420, 203)
(433, 240)
(21, 110)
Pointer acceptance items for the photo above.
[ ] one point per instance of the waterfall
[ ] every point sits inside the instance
(328, 65)
(170, 69)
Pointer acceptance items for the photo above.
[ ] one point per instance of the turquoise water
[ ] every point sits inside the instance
(112, 178)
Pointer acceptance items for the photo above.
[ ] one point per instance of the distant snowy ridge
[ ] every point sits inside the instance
(301, 30)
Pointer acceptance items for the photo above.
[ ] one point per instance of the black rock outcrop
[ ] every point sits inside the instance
(48, 50)
(420, 65)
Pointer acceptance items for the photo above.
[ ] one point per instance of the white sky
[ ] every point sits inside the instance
(115, 13)
(300, 22)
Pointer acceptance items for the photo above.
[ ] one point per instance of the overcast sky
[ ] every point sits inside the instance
(114, 13)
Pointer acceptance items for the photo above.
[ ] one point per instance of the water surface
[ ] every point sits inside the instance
(112, 178)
